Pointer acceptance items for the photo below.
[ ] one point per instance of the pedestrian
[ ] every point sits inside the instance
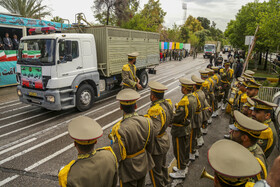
(184, 116)
(161, 113)
(263, 111)
(232, 163)
(129, 77)
(238, 70)
(85, 171)
(161, 56)
(133, 141)
(246, 132)
(15, 42)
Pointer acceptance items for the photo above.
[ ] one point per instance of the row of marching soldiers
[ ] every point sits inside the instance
(140, 143)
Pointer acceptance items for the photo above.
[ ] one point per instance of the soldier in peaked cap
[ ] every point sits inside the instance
(217, 78)
(85, 171)
(182, 129)
(129, 77)
(161, 113)
(246, 132)
(226, 79)
(203, 114)
(233, 164)
(212, 90)
(262, 113)
(248, 107)
(249, 72)
(252, 88)
(133, 141)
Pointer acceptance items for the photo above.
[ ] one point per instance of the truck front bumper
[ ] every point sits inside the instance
(39, 98)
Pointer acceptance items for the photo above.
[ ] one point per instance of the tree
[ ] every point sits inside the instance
(26, 8)
(202, 35)
(57, 19)
(184, 34)
(125, 10)
(194, 40)
(193, 24)
(205, 23)
(104, 11)
(150, 18)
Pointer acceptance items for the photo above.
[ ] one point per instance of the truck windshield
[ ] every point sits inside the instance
(37, 52)
(209, 47)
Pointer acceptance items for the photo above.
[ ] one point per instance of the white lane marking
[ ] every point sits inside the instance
(31, 148)
(10, 105)
(26, 127)
(25, 119)
(18, 145)
(15, 109)
(9, 179)
(18, 114)
(8, 102)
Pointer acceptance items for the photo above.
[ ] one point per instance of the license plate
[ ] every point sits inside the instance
(32, 94)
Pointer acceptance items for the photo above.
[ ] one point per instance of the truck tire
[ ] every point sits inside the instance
(203, 56)
(84, 97)
(144, 78)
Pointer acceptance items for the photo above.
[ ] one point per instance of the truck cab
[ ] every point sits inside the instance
(58, 71)
(209, 49)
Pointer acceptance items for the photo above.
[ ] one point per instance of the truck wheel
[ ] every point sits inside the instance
(144, 78)
(203, 56)
(84, 97)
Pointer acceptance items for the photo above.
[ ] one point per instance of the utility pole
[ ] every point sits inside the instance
(184, 6)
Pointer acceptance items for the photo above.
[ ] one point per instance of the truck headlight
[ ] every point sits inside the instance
(19, 92)
(50, 98)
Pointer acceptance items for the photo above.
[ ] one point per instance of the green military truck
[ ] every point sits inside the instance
(80, 64)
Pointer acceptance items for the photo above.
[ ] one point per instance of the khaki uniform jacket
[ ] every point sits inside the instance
(226, 76)
(217, 78)
(184, 116)
(98, 169)
(161, 113)
(240, 100)
(257, 151)
(133, 146)
(204, 105)
(129, 78)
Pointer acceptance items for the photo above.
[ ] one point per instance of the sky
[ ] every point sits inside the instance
(220, 11)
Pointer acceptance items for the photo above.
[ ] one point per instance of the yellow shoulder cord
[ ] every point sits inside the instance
(267, 134)
(63, 174)
(114, 133)
(263, 168)
(134, 78)
(143, 150)
(198, 102)
(108, 148)
(249, 184)
(155, 111)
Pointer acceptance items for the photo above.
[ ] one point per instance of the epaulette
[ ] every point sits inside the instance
(184, 101)
(155, 110)
(126, 67)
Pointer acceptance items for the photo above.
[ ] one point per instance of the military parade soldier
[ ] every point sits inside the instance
(129, 77)
(246, 132)
(87, 169)
(213, 87)
(161, 113)
(226, 79)
(248, 107)
(263, 111)
(233, 164)
(252, 88)
(217, 78)
(133, 138)
(180, 131)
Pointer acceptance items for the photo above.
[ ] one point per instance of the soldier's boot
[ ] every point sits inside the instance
(200, 141)
(223, 106)
(192, 156)
(209, 121)
(196, 153)
(204, 131)
(227, 136)
(215, 114)
(179, 174)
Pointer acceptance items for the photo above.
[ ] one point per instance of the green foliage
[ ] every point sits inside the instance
(184, 34)
(26, 8)
(266, 15)
(205, 23)
(193, 24)
(194, 40)
(57, 19)
(150, 18)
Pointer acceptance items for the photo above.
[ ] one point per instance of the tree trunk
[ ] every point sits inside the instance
(260, 59)
(108, 15)
(265, 63)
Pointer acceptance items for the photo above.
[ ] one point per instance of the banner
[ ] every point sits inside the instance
(28, 22)
(159, 45)
(8, 73)
(181, 45)
(170, 45)
(165, 45)
(177, 45)
(173, 45)
(162, 45)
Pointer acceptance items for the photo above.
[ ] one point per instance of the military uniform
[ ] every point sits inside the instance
(181, 128)
(129, 77)
(233, 164)
(212, 90)
(226, 79)
(97, 168)
(268, 138)
(217, 78)
(254, 129)
(133, 145)
(161, 113)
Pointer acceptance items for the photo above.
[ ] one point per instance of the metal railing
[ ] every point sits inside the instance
(267, 93)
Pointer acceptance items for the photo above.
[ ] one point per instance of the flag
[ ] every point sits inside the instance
(2, 56)
(11, 55)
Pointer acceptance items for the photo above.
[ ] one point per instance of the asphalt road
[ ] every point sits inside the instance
(34, 142)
